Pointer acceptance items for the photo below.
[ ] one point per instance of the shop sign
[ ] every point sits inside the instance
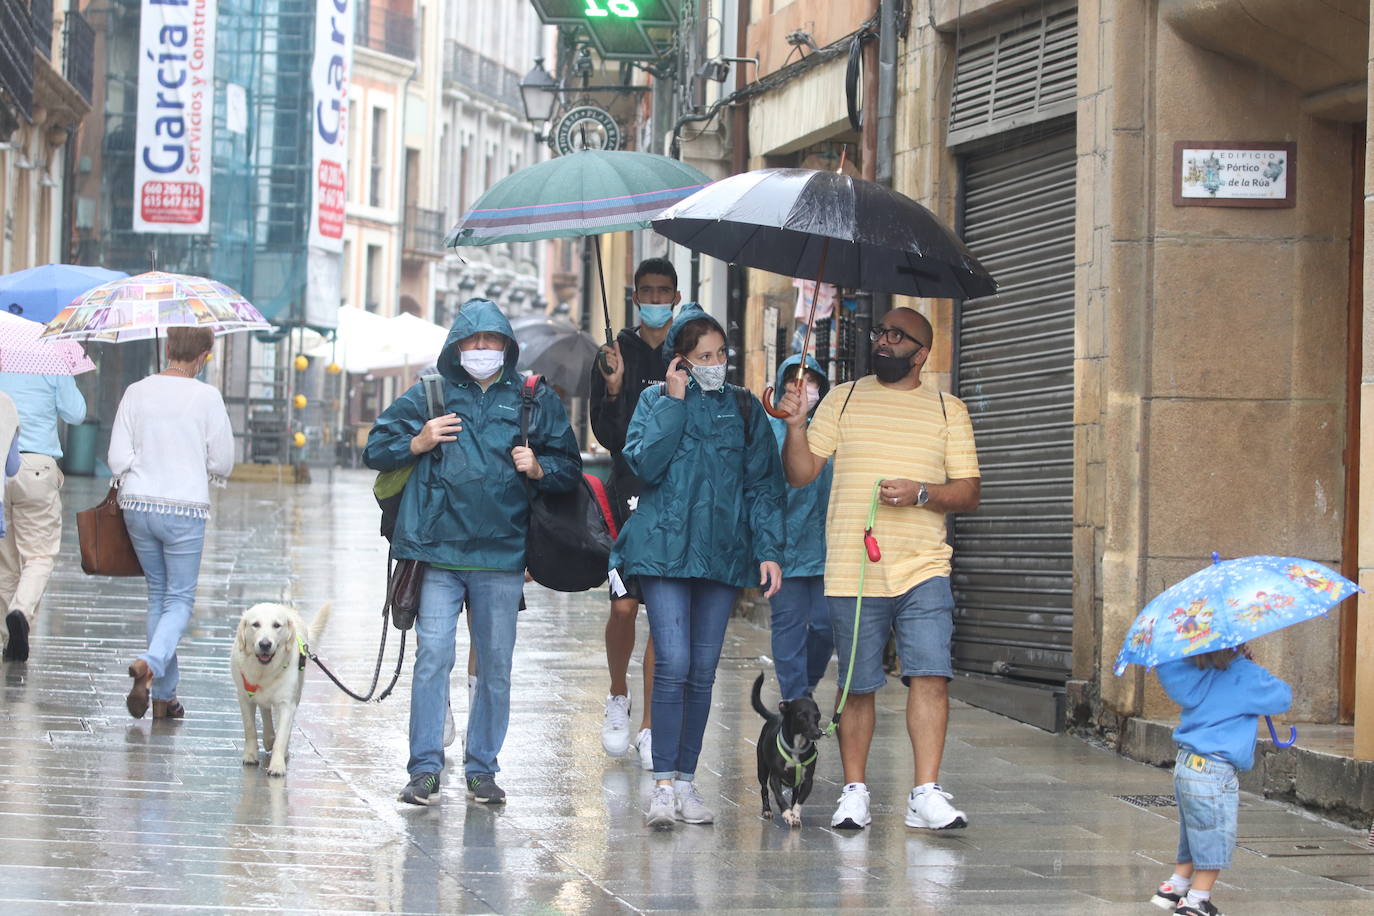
(1235, 174)
(329, 77)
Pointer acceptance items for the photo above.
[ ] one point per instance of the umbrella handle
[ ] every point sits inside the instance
(1292, 734)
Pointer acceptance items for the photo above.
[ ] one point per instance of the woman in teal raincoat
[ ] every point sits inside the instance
(801, 635)
(709, 522)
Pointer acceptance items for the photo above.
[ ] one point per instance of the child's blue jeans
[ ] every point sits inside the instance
(1208, 793)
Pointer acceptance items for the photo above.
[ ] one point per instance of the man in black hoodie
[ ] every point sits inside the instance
(632, 364)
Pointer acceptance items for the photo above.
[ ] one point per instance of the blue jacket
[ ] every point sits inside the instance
(711, 508)
(804, 551)
(465, 504)
(1221, 708)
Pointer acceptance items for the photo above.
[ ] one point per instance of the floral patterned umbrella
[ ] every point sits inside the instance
(136, 308)
(21, 350)
(1229, 603)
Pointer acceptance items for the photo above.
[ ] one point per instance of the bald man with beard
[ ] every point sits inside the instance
(919, 443)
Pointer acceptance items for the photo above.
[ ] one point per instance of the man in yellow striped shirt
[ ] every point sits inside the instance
(918, 442)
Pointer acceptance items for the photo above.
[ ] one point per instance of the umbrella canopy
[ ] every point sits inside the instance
(39, 293)
(138, 307)
(367, 342)
(1229, 603)
(796, 221)
(558, 350)
(584, 193)
(22, 351)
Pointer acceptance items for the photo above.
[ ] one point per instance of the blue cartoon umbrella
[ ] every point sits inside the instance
(1229, 603)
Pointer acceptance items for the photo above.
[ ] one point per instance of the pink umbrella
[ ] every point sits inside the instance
(22, 351)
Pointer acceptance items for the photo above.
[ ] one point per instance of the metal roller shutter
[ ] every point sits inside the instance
(1013, 575)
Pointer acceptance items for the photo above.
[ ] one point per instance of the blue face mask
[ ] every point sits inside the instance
(655, 316)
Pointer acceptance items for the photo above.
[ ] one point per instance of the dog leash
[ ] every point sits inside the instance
(871, 552)
(377, 671)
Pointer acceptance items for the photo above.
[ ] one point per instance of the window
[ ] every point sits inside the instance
(373, 280)
(345, 272)
(351, 141)
(375, 196)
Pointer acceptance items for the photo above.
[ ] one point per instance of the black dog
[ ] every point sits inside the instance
(787, 752)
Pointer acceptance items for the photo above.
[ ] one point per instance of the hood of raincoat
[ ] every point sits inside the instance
(804, 552)
(690, 311)
(474, 316)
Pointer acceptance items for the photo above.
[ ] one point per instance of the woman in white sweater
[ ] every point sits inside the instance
(171, 440)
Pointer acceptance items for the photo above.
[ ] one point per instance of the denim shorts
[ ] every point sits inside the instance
(923, 621)
(1208, 793)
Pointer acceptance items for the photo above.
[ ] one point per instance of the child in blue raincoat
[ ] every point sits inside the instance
(1223, 694)
(801, 634)
(709, 522)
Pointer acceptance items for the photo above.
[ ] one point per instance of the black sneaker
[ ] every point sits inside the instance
(17, 650)
(1166, 898)
(423, 789)
(1201, 908)
(484, 789)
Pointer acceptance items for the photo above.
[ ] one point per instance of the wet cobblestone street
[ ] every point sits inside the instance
(102, 813)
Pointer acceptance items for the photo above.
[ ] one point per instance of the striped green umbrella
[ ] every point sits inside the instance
(584, 193)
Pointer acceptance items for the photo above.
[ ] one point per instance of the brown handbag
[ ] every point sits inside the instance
(105, 546)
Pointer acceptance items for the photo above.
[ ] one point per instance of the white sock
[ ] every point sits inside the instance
(854, 786)
(925, 787)
(1195, 897)
(1179, 883)
(681, 785)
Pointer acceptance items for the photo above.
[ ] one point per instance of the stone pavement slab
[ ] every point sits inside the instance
(102, 813)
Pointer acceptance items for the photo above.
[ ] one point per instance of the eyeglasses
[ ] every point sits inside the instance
(893, 336)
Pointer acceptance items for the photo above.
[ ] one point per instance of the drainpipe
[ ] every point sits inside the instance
(879, 141)
(736, 278)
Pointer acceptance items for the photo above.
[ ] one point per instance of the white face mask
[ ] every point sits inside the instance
(813, 396)
(710, 378)
(482, 364)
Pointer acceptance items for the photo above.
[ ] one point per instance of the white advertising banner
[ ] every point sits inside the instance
(176, 99)
(329, 75)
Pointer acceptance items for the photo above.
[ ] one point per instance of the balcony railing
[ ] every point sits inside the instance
(385, 30)
(40, 14)
(425, 229)
(16, 54)
(466, 68)
(79, 51)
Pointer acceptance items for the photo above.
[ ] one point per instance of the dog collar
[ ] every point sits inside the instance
(251, 688)
(303, 651)
(789, 754)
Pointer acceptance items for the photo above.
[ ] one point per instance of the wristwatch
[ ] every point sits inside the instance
(922, 495)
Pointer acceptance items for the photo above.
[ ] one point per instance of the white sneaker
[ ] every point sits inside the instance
(615, 728)
(450, 729)
(661, 807)
(645, 745)
(691, 807)
(852, 813)
(931, 809)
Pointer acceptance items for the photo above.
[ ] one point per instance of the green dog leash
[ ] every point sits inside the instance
(870, 551)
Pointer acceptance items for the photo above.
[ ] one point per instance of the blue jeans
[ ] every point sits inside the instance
(687, 619)
(169, 547)
(1208, 793)
(802, 640)
(493, 598)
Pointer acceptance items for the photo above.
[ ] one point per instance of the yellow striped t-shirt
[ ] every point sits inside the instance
(886, 433)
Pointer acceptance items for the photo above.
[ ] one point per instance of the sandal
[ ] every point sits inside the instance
(168, 709)
(137, 700)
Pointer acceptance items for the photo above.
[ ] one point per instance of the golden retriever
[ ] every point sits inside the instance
(268, 667)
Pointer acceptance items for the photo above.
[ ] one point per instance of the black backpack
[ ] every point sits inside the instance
(568, 548)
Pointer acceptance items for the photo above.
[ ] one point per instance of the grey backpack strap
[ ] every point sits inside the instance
(433, 385)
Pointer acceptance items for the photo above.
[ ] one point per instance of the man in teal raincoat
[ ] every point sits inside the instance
(800, 626)
(465, 513)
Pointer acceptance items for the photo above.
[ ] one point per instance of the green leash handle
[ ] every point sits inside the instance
(858, 605)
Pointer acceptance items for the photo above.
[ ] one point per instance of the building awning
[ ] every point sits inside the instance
(368, 342)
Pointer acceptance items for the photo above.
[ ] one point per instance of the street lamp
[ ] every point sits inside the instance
(538, 93)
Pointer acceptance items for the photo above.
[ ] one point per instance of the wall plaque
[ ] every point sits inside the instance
(1235, 174)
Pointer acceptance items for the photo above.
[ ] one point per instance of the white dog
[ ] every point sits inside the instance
(268, 667)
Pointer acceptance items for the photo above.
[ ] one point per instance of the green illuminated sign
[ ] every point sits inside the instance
(584, 12)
